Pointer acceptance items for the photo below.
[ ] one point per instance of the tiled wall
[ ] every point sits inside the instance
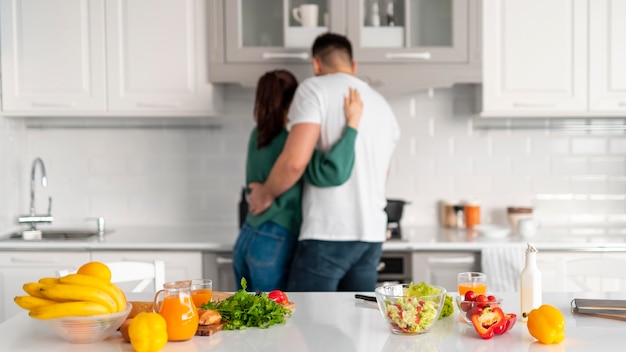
(11, 150)
(162, 175)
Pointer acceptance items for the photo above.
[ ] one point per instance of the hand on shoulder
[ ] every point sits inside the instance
(353, 108)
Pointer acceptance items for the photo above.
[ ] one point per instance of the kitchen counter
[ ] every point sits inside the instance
(222, 238)
(338, 322)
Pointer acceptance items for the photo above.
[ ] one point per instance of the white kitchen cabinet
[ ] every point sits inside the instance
(53, 56)
(20, 267)
(106, 58)
(442, 268)
(433, 43)
(555, 58)
(179, 265)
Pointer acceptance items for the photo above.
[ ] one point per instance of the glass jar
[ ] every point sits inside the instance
(472, 214)
(178, 310)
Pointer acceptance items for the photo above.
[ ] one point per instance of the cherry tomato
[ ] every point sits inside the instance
(466, 305)
(470, 296)
(492, 298)
(278, 296)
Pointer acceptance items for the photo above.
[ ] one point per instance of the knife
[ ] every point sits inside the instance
(365, 298)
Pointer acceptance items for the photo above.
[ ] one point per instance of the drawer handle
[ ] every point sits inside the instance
(224, 260)
(157, 105)
(422, 56)
(453, 260)
(302, 56)
(52, 105)
(532, 105)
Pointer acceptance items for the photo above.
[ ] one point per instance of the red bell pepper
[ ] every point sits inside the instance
(491, 321)
(511, 318)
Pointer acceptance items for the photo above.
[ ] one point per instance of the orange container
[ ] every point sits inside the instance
(178, 310)
(201, 296)
(472, 214)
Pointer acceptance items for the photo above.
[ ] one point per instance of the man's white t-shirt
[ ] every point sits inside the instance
(353, 211)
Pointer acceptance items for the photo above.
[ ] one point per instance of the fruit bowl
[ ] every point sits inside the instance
(409, 314)
(468, 307)
(88, 329)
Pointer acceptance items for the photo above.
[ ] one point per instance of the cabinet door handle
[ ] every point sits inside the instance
(452, 260)
(52, 105)
(157, 105)
(422, 56)
(54, 260)
(302, 56)
(532, 105)
(224, 260)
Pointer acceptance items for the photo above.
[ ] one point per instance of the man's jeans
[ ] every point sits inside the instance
(335, 266)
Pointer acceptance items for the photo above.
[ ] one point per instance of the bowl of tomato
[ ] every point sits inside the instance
(472, 303)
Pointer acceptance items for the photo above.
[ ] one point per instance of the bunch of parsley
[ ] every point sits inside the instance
(243, 310)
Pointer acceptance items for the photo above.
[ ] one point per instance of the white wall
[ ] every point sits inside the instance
(168, 176)
(11, 149)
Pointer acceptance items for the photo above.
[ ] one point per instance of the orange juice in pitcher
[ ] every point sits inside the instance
(178, 310)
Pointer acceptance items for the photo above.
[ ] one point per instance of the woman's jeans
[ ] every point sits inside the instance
(263, 256)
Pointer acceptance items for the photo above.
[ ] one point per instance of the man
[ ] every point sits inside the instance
(343, 227)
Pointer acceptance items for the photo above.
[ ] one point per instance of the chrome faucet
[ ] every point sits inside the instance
(33, 218)
(44, 182)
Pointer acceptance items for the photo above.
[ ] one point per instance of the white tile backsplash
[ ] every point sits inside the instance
(168, 176)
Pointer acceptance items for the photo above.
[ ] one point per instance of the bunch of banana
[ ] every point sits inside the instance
(71, 295)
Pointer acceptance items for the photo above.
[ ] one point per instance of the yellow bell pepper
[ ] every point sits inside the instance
(148, 332)
(546, 324)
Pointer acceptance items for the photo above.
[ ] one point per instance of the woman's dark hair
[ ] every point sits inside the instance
(274, 92)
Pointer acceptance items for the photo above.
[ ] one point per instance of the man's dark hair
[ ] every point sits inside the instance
(328, 47)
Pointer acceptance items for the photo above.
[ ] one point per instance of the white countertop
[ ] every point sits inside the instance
(222, 237)
(337, 322)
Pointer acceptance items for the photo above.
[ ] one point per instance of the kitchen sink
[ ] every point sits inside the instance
(55, 235)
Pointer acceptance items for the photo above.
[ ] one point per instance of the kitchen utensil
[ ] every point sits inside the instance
(393, 303)
(492, 231)
(88, 329)
(472, 281)
(394, 210)
(178, 310)
(516, 213)
(468, 308)
(528, 227)
(201, 291)
(306, 14)
(365, 298)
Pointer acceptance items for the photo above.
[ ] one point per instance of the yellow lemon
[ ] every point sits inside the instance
(96, 269)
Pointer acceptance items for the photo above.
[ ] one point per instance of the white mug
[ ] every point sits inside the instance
(528, 227)
(306, 14)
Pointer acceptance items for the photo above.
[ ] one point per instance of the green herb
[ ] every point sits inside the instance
(243, 310)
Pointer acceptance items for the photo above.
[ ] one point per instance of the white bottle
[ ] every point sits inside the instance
(530, 284)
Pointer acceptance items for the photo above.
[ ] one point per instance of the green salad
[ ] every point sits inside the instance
(413, 315)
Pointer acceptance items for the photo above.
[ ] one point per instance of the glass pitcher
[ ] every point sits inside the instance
(178, 310)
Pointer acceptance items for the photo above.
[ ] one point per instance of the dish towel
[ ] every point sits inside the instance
(503, 266)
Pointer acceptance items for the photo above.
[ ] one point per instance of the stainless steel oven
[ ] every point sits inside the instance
(395, 267)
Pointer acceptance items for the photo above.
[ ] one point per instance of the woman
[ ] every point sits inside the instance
(266, 243)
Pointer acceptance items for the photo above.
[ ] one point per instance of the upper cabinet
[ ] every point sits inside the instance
(399, 45)
(106, 58)
(409, 31)
(559, 58)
